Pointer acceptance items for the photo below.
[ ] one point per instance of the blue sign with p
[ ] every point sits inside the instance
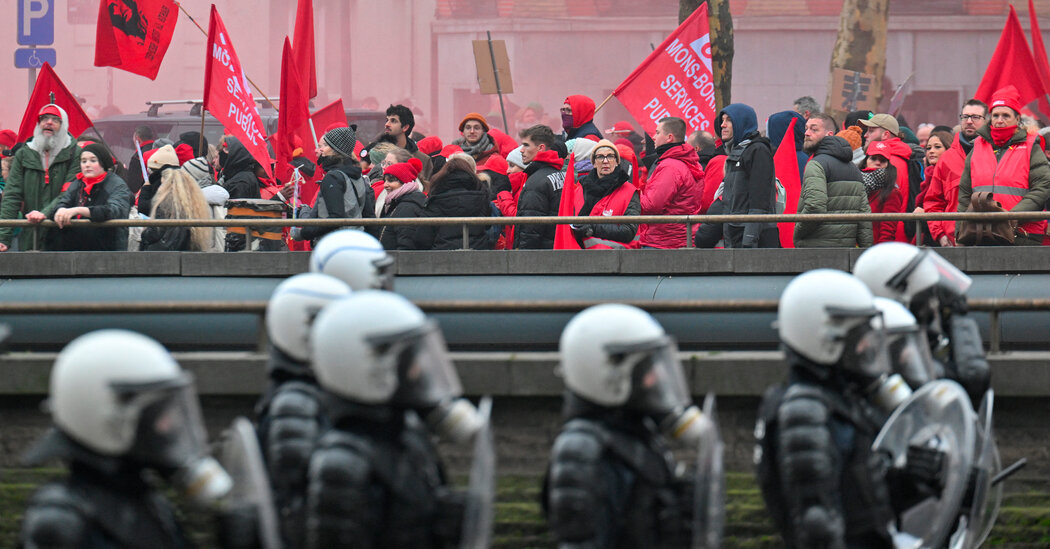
(36, 22)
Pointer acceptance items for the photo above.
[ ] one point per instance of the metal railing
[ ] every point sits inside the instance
(466, 222)
(994, 306)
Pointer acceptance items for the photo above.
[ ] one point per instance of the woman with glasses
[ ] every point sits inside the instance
(607, 190)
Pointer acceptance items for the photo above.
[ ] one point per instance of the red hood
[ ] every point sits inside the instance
(550, 158)
(686, 153)
(889, 149)
(582, 109)
(504, 142)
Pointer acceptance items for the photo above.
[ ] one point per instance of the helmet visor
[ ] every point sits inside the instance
(949, 277)
(909, 355)
(384, 273)
(170, 430)
(657, 381)
(864, 346)
(426, 376)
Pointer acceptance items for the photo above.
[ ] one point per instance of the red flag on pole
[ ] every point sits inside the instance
(294, 113)
(785, 165)
(303, 46)
(1042, 67)
(47, 82)
(134, 36)
(675, 80)
(1011, 63)
(563, 238)
(227, 95)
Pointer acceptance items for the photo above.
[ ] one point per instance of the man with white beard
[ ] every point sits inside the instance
(38, 173)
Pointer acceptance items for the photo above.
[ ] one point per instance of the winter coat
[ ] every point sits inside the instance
(239, 172)
(714, 172)
(109, 199)
(455, 195)
(1038, 191)
(29, 188)
(331, 198)
(675, 187)
(582, 118)
(540, 196)
(507, 202)
(832, 185)
(749, 174)
(899, 153)
(408, 205)
(589, 197)
(942, 189)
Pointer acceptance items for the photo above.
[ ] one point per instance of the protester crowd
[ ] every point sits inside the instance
(993, 160)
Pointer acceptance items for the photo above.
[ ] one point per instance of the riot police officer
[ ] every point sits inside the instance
(935, 292)
(122, 408)
(356, 258)
(289, 417)
(375, 477)
(612, 480)
(823, 485)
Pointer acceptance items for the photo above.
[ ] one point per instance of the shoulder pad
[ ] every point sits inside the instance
(580, 441)
(340, 466)
(54, 519)
(802, 405)
(296, 399)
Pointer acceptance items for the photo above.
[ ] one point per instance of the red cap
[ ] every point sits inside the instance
(8, 138)
(50, 108)
(430, 145)
(449, 150)
(184, 152)
(405, 172)
(621, 128)
(1006, 97)
(495, 163)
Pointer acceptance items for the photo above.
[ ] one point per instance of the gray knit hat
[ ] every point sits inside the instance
(197, 168)
(341, 140)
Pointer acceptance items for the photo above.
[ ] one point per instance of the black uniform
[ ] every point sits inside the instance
(611, 483)
(823, 485)
(104, 503)
(375, 478)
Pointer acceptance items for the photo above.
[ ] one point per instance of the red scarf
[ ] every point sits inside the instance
(90, 182)
(1000, 136)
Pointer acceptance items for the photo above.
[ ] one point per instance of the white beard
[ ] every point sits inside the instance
(49, 145)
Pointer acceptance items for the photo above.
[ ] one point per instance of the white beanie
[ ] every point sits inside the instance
(514, 157)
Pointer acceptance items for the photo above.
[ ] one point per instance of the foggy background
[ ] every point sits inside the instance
(372, 53)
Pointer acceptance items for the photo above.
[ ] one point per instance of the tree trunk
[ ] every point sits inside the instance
(721, 22)
(860, 47)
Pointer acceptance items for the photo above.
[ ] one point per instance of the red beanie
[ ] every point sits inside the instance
(430, 145)
(184, 152)
(449, 150)
(8, 139)
(495, 163)
(1006, 97)
(405, 172)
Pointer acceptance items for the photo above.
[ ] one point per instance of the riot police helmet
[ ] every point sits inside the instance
(356, 258)
(293, 307)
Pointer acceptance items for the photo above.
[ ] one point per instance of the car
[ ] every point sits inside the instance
(169, 122)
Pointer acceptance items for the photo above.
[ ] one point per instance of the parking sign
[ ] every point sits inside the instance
(36, 22)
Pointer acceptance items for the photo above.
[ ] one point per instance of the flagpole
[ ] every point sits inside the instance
(200, 142)
(599, 107)
(254, 85)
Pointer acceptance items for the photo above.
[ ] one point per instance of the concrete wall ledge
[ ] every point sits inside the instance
(520, 262)
(746, 373)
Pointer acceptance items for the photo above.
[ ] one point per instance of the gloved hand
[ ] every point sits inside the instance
(925, 467)
(582, 232)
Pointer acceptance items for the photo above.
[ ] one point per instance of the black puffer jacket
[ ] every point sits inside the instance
(540, 196)
(109, 199)
(400, 238)
(239, 172)
(457, 194)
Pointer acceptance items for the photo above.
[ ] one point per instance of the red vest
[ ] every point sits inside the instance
(1006, 179)
(615, 203)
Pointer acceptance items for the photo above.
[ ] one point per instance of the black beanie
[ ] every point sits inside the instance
(193, 139)
(105, 158)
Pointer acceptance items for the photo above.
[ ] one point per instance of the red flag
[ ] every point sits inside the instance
(563, 238)
(47, 83)
(329, 116)
(227, 94)
(675, 80)
(1042, 67)
(785, 165)
(1011, 64)
(294, 113)
(134, 36)
(303, 46)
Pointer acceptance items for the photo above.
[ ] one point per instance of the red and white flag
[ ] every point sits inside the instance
(675, 80)
(48, 83)
(133, 35)
(227, 95)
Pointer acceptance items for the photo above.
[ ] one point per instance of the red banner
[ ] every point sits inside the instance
(303, 46)
(1011, 63)
(563, 237)
(785, 165)
(227, 95)
(675, 80)
(47, 83)
(294, 113)
(133, 35)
